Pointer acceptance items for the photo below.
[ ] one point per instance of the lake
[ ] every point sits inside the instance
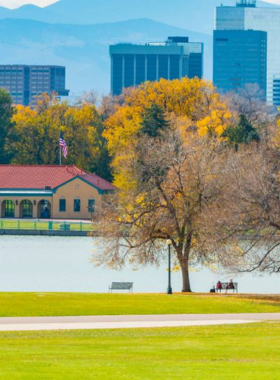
(61, 264)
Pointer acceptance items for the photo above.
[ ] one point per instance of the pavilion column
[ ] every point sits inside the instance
(35, 209)
(17, 208)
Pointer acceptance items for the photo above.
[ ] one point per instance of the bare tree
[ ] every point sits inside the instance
(246, 217)
(110, 104)
(89, 98)
(176, 182)
(250, 102)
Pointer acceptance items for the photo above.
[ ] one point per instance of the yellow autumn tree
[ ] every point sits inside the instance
(35, 135)
(165, 140)
(193, 102)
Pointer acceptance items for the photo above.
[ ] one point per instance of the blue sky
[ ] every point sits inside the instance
(17, 3)
(42, 3)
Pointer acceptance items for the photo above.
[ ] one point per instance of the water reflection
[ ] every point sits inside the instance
(61, 264)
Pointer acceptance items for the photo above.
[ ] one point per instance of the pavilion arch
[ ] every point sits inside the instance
(44, 209)
(8, 209)
(26, 209)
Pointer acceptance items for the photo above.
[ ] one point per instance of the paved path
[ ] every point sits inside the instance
(130, 321)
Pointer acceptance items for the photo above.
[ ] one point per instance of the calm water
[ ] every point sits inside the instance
(62, 264)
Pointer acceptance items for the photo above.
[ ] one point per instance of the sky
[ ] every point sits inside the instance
(18, 3)
(273, 1)
(42, 3)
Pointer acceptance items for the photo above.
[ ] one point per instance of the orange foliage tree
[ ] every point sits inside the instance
(166, 181)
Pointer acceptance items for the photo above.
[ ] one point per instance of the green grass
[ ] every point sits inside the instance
(73, 304)
(247, 352)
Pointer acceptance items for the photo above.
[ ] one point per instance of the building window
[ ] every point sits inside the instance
(163, 67)
(152, 67)
(91, 202)
(77, 205)
(129, 70)
(9, 209)
(62, 205)
(118, 67)
(91, 205)
(140, 69)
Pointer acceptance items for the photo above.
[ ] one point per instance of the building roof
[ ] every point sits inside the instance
(41, 176)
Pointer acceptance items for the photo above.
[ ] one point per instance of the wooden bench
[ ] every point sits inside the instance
(224, 287)
(121, 286)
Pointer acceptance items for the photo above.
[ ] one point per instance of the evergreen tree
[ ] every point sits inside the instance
(243, 133)
(6, 114)
(153, 121)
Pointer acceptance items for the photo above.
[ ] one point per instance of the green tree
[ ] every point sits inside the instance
(154, 121)
(6, 114)
(243, 133)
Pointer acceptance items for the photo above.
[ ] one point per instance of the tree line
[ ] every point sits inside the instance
(191, 166)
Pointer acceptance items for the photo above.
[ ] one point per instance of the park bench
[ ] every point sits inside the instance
(121, 286)
(225, 284)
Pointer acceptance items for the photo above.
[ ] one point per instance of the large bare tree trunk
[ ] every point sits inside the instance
(185, 276)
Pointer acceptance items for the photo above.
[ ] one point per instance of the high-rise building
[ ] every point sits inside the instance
(240, 58)
(26, 82)
(176, 58)
(247, 16)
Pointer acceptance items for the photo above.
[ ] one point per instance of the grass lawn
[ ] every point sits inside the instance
(20, 224)
(73, 304)
(246, 352)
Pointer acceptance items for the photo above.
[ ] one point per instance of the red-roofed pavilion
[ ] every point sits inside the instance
(57, 192)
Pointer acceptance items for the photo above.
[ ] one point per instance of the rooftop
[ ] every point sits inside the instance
(40, 177)
(246, 3)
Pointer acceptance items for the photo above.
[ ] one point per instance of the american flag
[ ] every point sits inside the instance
(63, 145)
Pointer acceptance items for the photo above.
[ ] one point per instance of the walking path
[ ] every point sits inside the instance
(134, 321)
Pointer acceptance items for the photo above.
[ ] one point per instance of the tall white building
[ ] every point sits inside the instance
(247, 16)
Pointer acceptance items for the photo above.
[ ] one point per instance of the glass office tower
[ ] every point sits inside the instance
(247, 16)
(25, 82)
(176, 58)
(240, 58)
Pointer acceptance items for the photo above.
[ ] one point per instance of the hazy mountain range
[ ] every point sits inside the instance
(194, 15)
(76, 33)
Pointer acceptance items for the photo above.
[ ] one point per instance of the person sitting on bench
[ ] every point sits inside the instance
(213, 290)
(230, 286)
(219, 287)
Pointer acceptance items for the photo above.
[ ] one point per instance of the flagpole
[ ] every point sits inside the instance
(62, 148)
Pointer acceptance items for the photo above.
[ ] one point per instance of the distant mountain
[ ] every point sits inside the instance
(197, 15)
(83, 49)
(76, 33)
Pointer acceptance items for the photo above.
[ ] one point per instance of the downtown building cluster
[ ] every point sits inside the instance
(246, 51)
